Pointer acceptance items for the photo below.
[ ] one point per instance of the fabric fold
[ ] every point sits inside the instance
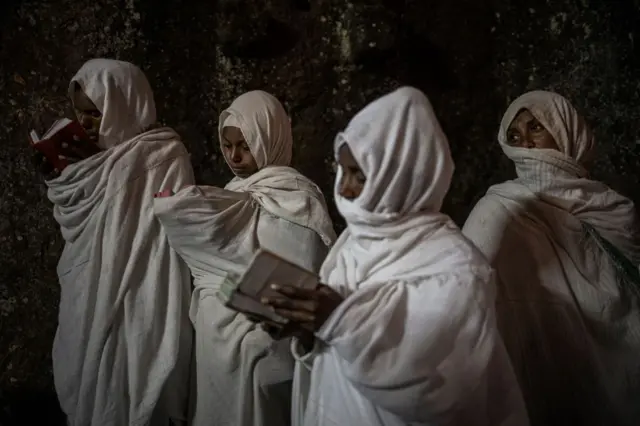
(564, 310)
(414, 341)
(243, 377)
(124, 291)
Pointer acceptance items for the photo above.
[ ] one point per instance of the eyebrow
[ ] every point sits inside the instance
(224, 139)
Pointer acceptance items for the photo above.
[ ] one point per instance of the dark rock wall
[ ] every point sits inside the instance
(325, 59)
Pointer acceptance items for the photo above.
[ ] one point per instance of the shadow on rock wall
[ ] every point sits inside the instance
(325, 59)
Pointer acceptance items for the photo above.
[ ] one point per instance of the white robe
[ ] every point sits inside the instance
(415, 341)
(122, 350)
(243, 377)
(570, 323)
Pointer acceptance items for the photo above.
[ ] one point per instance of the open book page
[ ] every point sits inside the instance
(35, 138)
(268, 268)
(56, 127)
(265, 269)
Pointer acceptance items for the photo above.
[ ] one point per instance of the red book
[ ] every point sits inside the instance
(50, 145)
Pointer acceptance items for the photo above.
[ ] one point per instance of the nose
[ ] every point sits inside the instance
(345, 189)
(86, 122)
(236, 156)
(528, 142)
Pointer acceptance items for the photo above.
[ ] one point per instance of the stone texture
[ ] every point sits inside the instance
(325, 59)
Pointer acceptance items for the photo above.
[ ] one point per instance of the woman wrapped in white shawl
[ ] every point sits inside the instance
(121, 354)
(243, 377)
(566, 249)
(405, 326)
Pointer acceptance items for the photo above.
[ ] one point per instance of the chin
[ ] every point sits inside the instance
(242, 173)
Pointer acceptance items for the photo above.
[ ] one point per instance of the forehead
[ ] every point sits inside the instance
(81, 100)
(232, 134)
(522, 117)
(345, 156)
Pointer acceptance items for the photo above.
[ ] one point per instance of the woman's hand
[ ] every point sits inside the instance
(75, 151)
(280, 331)
(44, 167)
(307, 309)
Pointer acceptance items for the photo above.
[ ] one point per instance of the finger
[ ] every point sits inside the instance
(294, 292)
(253, 318)
(78, 149)
(298, 305)
(297, 316)
(70, 159)
(269, 328)
(72, 150)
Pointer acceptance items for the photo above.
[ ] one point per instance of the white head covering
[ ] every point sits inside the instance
(276, 187)
(398, 143)
(265, 126)
(418, 299)
(122, 94)
(559, 117)
(393, 226)
(559, 178)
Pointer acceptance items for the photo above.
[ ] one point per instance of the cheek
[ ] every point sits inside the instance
(358, 188)
(546, 141)
(247, 158)
(350, 187)
(226, 153)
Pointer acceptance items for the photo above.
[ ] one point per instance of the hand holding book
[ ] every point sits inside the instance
(307, 309)
(244, 294)
(64, 143)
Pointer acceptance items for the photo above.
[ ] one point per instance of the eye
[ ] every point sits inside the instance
(226, 145)
(95, 114)
(246, 147)
(536, 127)
(513, 137)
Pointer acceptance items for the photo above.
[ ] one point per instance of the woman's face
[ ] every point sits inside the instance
(237, 153)
(353, 179)
(525, 131)
(87, 113)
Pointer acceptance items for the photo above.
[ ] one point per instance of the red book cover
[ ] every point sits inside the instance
(50, 145)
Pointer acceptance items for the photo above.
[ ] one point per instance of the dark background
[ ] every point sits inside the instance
(324, 59)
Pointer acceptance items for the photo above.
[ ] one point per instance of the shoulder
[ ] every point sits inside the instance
(156, 147)
(497, 207)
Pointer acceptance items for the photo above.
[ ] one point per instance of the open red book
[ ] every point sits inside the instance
(50, 145)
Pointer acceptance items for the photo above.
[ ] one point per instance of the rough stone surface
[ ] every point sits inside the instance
(324, 59)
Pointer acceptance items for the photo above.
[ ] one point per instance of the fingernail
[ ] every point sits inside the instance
(65, 145)
(275, 287)
(264, 300)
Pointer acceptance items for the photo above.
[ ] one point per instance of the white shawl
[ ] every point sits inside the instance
(122, 350)
(108, 83)
(415, 340)
(243, 379)
(563, 310)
